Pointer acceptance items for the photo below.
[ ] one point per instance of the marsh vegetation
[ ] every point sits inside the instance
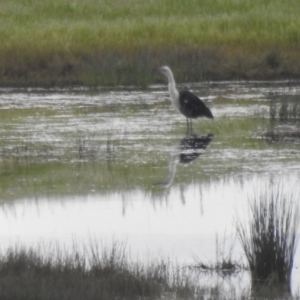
(71, 43)
(270, 240)
(285, 120)
(99, 274)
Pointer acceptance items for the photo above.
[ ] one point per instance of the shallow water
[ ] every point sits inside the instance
(109, 165)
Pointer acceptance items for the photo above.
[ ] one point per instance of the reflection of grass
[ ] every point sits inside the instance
(271, 241)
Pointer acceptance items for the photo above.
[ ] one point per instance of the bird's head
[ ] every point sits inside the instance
(165, 70)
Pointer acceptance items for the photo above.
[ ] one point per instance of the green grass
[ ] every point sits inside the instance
(78, 42)
(72, 25)
(83, 163)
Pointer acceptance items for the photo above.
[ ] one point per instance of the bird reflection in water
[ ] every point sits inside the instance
(189, 148)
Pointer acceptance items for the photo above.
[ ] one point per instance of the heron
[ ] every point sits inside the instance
(186, 102)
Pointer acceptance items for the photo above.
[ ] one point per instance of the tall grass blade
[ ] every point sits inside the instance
(271, 239)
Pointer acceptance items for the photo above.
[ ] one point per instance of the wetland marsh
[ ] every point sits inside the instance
(83, 165)
(89, 43)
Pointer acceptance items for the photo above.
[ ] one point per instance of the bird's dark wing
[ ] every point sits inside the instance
(192, 106)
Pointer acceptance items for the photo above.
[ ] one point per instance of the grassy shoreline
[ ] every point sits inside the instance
(99, 273)
(67, 43)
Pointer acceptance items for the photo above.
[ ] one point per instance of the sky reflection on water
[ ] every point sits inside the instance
(183, 226)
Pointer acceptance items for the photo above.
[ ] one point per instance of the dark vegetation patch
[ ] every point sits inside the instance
(139, 67)
(25, 274)
(270, 240)
(224, 268)
(290, 135)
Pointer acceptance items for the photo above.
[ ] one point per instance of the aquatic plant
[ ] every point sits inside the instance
(284, 110)
(270, 241)
(284, 120)
(225, 265)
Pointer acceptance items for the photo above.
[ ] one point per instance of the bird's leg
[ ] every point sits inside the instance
(189, 126)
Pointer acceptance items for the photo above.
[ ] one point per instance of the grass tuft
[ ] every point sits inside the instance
(270, 241)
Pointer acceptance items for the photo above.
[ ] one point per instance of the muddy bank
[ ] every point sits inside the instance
(139, 67)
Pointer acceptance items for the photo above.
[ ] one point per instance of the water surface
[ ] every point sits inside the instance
(107, 165)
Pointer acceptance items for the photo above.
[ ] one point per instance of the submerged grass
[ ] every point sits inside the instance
(284, 120)
(284, 110)
(271, 240)
(84, 162)
(116, 42)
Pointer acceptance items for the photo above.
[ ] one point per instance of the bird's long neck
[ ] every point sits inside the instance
(174, 95)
